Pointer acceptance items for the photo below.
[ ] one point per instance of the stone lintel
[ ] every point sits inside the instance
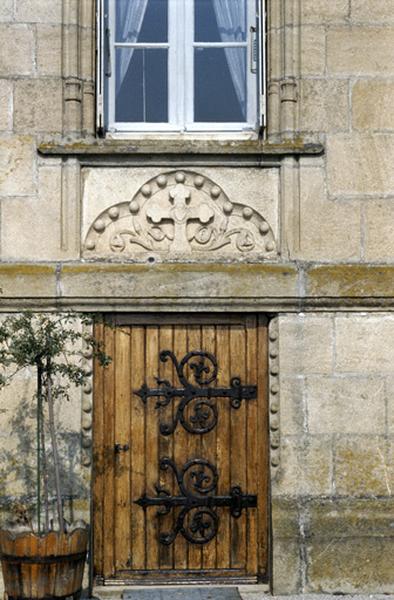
(266, 287)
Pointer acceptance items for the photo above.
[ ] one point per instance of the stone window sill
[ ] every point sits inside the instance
(160, 147)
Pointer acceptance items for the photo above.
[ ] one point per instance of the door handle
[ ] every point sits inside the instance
(121, 448)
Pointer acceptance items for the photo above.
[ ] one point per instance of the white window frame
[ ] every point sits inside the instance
(181, 61)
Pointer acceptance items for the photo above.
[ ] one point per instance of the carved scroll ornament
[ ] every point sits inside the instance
(175, 214)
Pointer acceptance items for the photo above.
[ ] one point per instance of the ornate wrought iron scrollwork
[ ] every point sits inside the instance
(197, 520)
(196, 412)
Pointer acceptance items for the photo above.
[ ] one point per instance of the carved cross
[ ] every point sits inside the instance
(180, 213)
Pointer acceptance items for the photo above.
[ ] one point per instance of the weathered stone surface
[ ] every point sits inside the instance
(352, 565)
(349, 518)
(313, 50)
(33, 225)
(327, 227)
(372, 11)
(379, 230)
(306, 467)
(17, 43)
(350, 281)
(360, 164)
(321, 11)
(345, 405)
(324, 105)
(6, 10)
(292, 405)
(306, 345)
(360, 50)
(286, 567)
(30, 281)
(372, 106)
(5, 105)
(364, 344)
(49, 43)
(362, 467)
(16, 166)
(31, 100)
(390, 404)
(177, 281)
(39, 11)
(285, 515)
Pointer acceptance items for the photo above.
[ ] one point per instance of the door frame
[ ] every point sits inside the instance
(167, 318)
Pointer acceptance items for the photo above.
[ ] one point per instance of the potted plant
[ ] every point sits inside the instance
(46, 560)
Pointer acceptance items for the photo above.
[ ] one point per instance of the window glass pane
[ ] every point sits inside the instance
(141, 21)
(220, 85)
(219, 20)
(141, 85)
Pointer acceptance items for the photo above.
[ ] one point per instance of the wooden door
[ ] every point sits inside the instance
(180, 450)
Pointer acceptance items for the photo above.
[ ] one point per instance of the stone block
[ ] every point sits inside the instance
(345, 405)
(17, 49)
(372, 105)
(27, 281)
(313, 50)
(337, 235)
(390, 404)
(31, 226)
(17, 174)
(372, 11)
(360, 164)
(39, 11)
(306, 467)
(292, 405)
(31, 101)
(349, 518)
(6, 10)
(360, 51)
(324, 105)
(49, 50)
(285, 515)
(362, 467)
(357, 565)
(379, 230)
(350, 280)
(286, 567)
(306, 345)
(323, 12)
(364, 344)
(5, 105)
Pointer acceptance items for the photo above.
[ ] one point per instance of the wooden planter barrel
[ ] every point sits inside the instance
(43, 566)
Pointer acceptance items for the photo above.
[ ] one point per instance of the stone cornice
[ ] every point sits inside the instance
(214, 287)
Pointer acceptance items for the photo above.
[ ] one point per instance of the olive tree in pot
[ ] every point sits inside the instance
(47, 560)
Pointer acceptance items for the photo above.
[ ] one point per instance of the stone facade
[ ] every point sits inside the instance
(315, 203)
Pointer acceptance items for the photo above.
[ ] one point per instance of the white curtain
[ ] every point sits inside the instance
(230, 17)
(129, 17)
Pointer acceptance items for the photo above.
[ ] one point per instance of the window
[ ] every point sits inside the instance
(180, 65)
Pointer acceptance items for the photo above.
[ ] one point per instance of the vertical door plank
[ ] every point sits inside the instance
(137, 448)
(109, 456)
(262, 449)
(208, 443)
(238, 446)
(180, 446)
(122, 459)
(98, 458)
(223, 445)
(165, 371)
(194, 443)
(252, 434)
(152, 448)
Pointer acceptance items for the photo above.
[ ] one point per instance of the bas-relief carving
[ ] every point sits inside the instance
(176, 214)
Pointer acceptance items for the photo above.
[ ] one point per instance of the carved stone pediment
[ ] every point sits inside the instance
(178, 214)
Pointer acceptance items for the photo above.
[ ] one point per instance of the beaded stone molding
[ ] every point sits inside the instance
(274, 416)
(87, 410)
(176, 214)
